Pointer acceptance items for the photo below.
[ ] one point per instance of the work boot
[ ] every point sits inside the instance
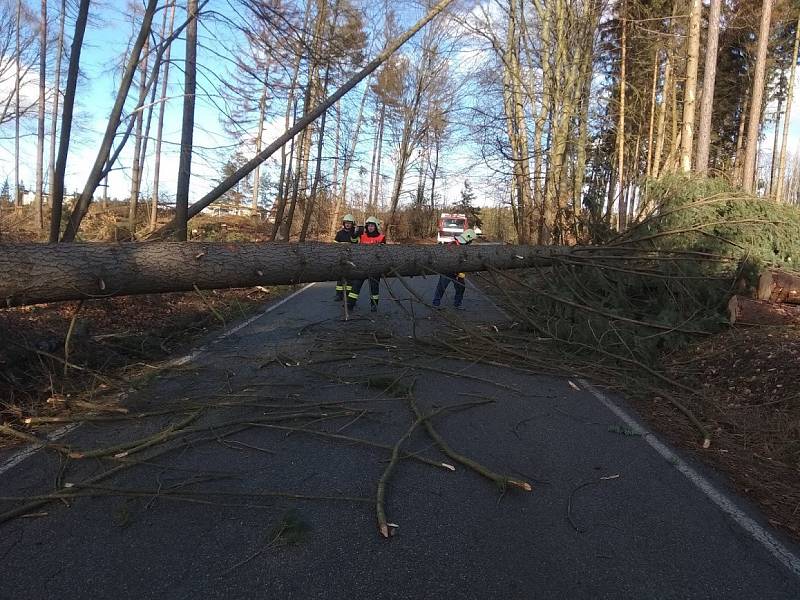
(458, 307)
(373, 307)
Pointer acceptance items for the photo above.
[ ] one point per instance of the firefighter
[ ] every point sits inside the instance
(458, 279)
(372, 235)
(348, 234)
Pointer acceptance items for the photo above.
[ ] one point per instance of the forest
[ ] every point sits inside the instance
(550, 118)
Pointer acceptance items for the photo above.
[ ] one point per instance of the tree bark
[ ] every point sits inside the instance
(775, 137)
(709, 79)
(40, 121)
(690, 86)
(754, 121)
(138, 158)
(187, 128)
(651, 129)
(248, 167)
(621, 130)
(160, 127)
(57, 194)
(779, 287)
(33, 273)
(787, 119)
(51, 165)
(666, 90)
(17, 85)
(746, 311)
(262, 108)
(374, 159)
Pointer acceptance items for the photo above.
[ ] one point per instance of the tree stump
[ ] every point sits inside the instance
(779, 287)
(746, 311)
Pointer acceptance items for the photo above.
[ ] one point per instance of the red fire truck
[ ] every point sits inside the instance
(451, 225)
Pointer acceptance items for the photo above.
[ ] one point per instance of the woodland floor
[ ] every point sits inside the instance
(113, 339)
(751, 405)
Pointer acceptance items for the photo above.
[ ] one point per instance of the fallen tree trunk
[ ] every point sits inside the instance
(36, 273)
(746, 311)
(779, 286)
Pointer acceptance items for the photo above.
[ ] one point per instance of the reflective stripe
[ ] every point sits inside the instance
(339, 288)
(375, 297)
(353, 295)
(348, 287)
(461, 275)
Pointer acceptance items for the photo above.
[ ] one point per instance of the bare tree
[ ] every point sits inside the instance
(187, 128)
(242, 172)
(40, 121)
(51, 166)
(57, 193)
(754, 120)
(17, 86)
(160, 128)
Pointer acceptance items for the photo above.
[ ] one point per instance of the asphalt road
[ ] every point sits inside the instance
(608, 517)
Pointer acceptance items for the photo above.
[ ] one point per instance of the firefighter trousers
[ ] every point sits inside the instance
(458, 280)
(374, 289)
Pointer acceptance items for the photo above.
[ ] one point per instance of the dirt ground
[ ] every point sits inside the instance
(115, 342)
(751, 405)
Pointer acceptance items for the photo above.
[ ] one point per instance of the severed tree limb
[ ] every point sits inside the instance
(384, 528)
(502, 481)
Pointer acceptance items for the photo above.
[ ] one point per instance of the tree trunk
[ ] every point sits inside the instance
(336, 143)
(690, 86)
(248, 167)
(57, 194)
(262, 107)
(51, 165)
(709, 79)
(739, 154)
(621, 129)
(746, 311)
(377, 189)
(187, 127)
(666, 90)
(287, 175)
(160, 128)
(787, 120)
(754, 121)
(40, 122)
(33, 273)
(774, 158)
(779, 287)
(651, 130)
(138, 158)
(17, 86)
(374, 160)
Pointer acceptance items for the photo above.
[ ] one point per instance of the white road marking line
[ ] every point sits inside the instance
(785, 556)
(28, 451)
(21, 455)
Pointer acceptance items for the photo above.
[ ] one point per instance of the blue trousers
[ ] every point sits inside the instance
(444, 280)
